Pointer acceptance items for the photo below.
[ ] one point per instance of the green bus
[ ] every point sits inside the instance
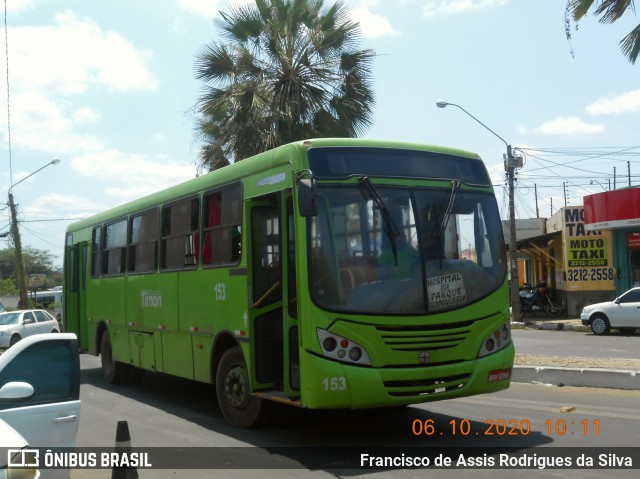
(326, 273)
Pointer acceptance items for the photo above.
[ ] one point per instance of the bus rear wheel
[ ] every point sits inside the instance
(113, 372)
(233, 389)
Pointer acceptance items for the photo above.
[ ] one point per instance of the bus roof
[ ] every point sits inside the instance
(261, 162)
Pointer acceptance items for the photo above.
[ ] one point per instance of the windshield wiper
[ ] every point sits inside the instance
(392, 231)
(455, 186)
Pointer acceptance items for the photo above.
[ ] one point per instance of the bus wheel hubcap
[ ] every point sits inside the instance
(236, 389)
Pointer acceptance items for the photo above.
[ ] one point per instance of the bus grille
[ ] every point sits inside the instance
(425, 338)
(425, 387)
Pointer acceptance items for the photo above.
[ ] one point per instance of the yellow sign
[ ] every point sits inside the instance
(589, 262)
(587, 252)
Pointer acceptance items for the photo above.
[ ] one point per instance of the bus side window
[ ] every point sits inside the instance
(114, 244)
(96, 251)
(143, 242)
(179, 221)
(222, 227)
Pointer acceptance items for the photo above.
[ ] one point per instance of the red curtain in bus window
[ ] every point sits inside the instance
(213, 219)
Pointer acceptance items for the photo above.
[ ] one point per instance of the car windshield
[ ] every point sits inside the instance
(388, 250)
(9, 318)
(631, 296)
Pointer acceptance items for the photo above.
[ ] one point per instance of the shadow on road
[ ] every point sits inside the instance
(301, 438)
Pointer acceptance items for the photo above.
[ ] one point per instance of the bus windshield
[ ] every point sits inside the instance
(378, 249)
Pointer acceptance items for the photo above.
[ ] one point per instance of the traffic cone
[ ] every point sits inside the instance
(123, 444)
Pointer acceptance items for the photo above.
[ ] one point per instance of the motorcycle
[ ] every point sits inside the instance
(538, 299)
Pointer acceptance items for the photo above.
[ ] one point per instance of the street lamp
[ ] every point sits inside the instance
(17, 243)
(596, 181)
(510, 164)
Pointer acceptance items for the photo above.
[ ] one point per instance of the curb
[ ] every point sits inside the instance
(581, 377)
(551, 326)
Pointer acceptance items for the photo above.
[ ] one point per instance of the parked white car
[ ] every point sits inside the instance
(39, 399)
(16, 325)
(622, 313)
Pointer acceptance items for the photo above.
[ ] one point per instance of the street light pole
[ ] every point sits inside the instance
(17, 242)
(511, 162)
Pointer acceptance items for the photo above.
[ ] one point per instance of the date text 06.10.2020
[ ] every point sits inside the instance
(504, 427)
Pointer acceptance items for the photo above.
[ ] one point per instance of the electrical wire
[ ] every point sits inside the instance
(6, 48)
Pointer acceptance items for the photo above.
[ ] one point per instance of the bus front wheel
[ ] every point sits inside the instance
(239, 407)
(113, 372)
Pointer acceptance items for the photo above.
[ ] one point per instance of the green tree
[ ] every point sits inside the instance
(7, 287)
(609, 11)
(289, 70)
(36, 262)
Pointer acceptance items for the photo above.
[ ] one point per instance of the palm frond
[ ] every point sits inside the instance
(630, 45)
(290, 69)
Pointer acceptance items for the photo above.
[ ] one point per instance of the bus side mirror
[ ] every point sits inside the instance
(308, 197)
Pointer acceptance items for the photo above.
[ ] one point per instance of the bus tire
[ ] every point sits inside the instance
(233, 389)
(113, 372)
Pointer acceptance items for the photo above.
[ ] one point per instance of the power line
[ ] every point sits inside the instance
(52, 219)
(6, 43)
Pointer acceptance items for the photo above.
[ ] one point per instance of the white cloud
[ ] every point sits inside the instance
(17, 6)
(40, 124)
(134, 175)
(178, 22)
(73, 54)
(434, 8)
(626, 103)
(74, 207)
(371, 24)
(51, 65)
(206, 8)
(569, 125)
(496, 172)
(85, 115)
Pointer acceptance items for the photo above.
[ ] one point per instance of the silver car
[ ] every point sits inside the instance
(16, 325)
(622, 313)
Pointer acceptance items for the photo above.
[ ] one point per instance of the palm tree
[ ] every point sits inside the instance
(609, 11)
(290, 70)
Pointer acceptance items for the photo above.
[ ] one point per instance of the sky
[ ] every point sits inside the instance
(108, 88)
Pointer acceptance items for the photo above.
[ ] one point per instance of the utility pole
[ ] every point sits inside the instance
(17, 243)
(19, 259)
(629, 171)
(510, 164)
(535, 188)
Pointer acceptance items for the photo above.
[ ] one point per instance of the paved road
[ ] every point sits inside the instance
(576, 344)
(164, 411)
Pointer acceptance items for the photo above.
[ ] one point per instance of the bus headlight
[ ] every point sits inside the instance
(496, 341)
(341, 349)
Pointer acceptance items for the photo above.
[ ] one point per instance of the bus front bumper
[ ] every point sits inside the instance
(330, 384)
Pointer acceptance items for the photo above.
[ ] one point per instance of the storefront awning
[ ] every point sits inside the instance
(612, 209)
(536, 246)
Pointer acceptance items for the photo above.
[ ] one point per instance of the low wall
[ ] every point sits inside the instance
(573, 301)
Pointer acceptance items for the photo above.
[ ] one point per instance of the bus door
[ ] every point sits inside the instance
(273, 329)
(75, 292)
